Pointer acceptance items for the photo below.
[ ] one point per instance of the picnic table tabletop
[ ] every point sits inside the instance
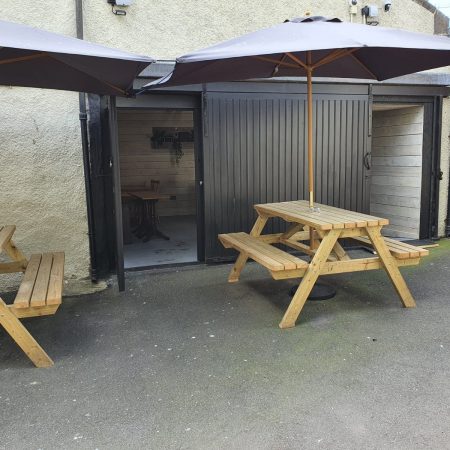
(323, 217)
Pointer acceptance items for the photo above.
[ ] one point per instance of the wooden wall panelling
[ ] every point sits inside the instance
(139, 162)
(396, 174)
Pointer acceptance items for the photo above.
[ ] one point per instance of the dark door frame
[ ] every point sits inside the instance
(431, 170)
(198, 152)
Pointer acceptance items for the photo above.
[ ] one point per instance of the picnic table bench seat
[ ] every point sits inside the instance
(398, 249)
(265, 254)
(40, 292)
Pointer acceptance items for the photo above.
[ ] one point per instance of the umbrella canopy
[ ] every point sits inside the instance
(312, 46)
(338, 49)
(35, 58)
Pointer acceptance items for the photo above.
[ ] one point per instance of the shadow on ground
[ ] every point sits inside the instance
(183, 359)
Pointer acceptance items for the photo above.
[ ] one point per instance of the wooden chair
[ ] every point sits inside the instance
(154, 185)
(39, 294)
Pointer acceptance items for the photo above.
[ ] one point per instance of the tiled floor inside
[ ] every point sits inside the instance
(180, 248)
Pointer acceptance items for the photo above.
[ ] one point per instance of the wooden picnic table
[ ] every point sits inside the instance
(316, 233)
(149, 218)
(39, 294)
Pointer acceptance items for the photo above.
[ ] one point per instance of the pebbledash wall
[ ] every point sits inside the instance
(41, 178)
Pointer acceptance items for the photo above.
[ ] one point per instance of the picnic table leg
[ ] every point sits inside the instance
(292, 230)
(390, 266)
(23, 338)
(243, 257)
(338, 250)
(309, 279)
(15, 253)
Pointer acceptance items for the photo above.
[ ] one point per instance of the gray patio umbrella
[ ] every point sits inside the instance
(312, 46)
(35, 58)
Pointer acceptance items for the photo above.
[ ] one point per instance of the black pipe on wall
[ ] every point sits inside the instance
(85, 149)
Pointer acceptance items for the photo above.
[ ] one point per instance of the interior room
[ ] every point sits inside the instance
(157, 165)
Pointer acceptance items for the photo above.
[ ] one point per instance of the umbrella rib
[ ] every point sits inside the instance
(333, 56)
(298, 61)
(363, 66)
(276, 62)
(92, 76)
(275, 69)
(23, 58)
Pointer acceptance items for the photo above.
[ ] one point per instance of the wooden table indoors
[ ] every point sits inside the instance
(148, 227)
(316, 233)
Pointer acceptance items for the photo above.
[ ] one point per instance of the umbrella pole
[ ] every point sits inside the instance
(310, 134)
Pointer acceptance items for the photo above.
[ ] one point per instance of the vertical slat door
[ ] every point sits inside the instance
(255, 152)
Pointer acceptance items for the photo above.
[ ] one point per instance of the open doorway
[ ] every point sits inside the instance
(396, 167)
(158, 183)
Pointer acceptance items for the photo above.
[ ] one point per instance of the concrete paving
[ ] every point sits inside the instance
(183, 360)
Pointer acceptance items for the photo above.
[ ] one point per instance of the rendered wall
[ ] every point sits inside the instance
(41, 172)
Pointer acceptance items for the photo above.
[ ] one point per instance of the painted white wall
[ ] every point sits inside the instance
(41, 181)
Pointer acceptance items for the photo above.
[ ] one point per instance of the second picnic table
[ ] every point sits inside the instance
(321, 229)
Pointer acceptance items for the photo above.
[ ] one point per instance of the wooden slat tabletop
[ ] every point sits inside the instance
(325, 218)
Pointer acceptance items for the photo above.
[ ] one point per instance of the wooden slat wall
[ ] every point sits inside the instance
(255, 152)
(396, 174)
(139, 162)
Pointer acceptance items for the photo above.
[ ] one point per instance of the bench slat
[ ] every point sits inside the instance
(26, 287)
(270, 257)
(40, 290)
(266, 249)
(233, 241)
(55, 286)
(400, 250)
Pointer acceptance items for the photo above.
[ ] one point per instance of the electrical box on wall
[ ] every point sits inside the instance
(370, 11)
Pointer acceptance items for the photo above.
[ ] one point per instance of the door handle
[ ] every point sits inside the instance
(368, 160)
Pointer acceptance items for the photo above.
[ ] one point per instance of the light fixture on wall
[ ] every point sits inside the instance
(114, 3)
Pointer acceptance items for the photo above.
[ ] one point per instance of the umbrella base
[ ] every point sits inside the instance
(320, 291)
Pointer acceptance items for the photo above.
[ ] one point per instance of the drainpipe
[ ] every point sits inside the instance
(85, 149)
